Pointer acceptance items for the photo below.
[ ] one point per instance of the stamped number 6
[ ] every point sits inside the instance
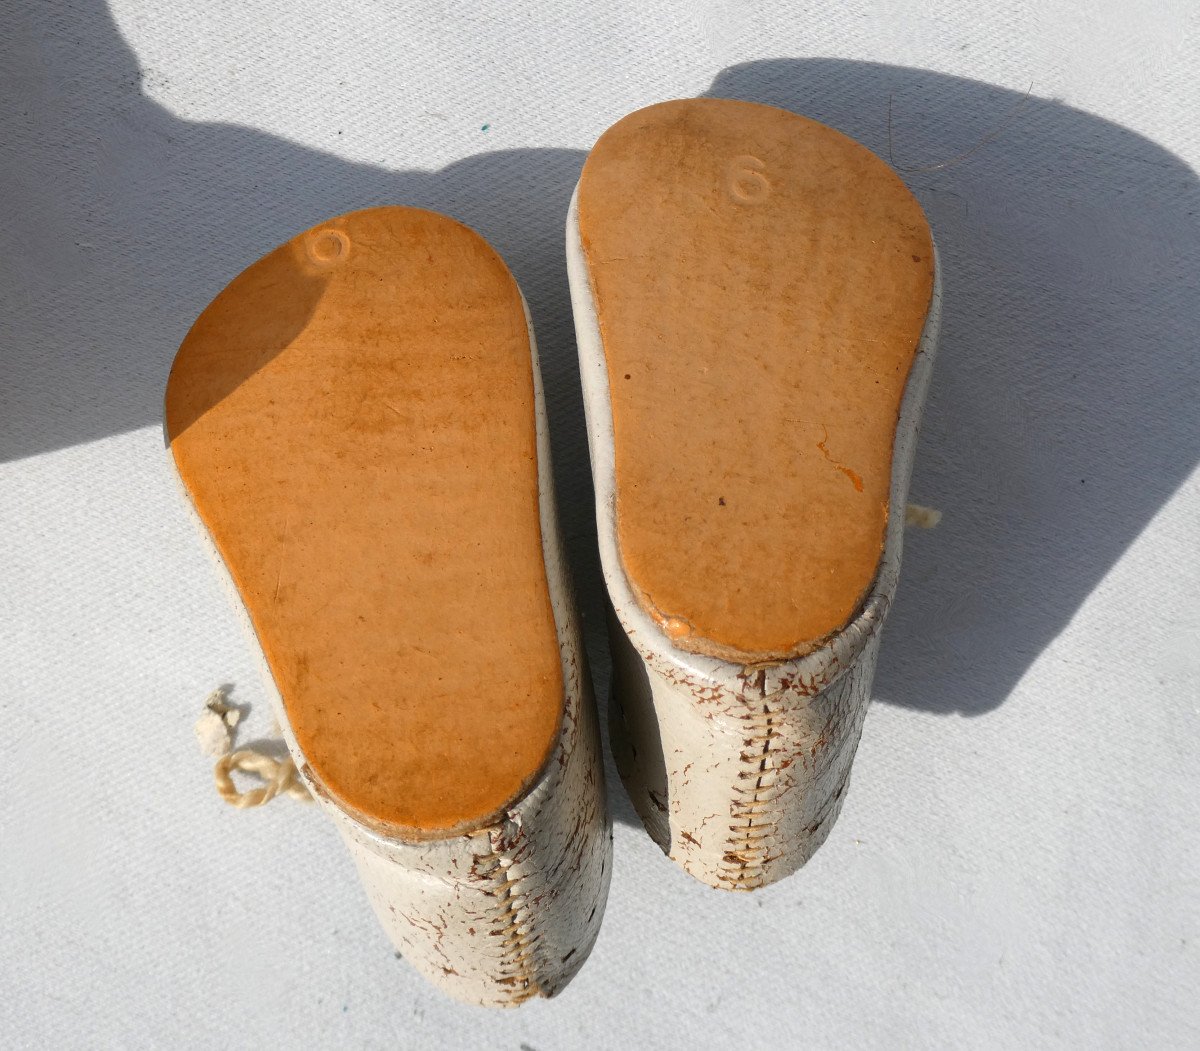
(746, 181)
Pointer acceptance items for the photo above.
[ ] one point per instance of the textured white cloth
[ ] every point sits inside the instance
(1016, 864)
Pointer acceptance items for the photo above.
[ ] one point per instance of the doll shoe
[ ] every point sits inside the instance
(358, 423)
(756, 308)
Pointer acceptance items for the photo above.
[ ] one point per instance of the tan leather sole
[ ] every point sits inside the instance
(761, 284)
(353, 418)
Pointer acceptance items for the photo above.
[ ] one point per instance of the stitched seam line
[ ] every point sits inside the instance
(514, 926)
(755, 818)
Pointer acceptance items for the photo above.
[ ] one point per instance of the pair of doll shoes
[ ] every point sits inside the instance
(358, 422)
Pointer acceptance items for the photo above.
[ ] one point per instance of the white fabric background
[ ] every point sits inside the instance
(1017, 864)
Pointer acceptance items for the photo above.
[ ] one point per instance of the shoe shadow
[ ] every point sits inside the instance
(1064, 408)
(1062, 414)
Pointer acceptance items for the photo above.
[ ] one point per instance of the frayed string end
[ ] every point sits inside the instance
(215, 731)
(921, 517)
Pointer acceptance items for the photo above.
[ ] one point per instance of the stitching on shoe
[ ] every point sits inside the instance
(755, 817)
(513, 918)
